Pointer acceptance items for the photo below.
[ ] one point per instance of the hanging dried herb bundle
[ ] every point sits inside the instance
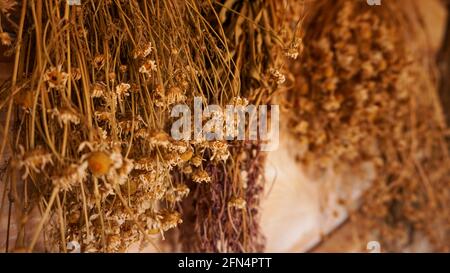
(90, 100)
(364, 94)
(224, 217)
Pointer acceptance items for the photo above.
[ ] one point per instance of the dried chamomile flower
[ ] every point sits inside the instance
(99, 163)
(175, 95)
(98, 90)
(71, 176)
(159, 138)
(179, 146)
(5, 39)
(33, 160)
(187, 169)
(177, 193)
(219, 151)
(122, 89)
(196, 161)
(148, 67)
(145, 164)
(169, 220)
(99, 61)
(277, 76)
(65, 116)
(237, 202)
(238, 101)
(295, 49)
(201, 176)
(55, 77)
(186, 156)
(75, 73)
(127, 124)
(25, 98)
(143, 51)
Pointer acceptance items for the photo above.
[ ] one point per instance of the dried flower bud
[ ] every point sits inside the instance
(99, 163)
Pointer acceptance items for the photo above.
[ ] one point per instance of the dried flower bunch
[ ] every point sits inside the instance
(361, 95)
(90, 99)
(224, 217)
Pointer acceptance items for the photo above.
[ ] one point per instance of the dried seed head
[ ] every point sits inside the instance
(196, 161)
(159, 138)
(187, 169)
(55, 78)
(201, 176)
(99, 163)
(219, 151)
(98, 90)
(123, 68)
(170, 220)
(122, 89)
(175, 95)
(68, 116)
(237, 202)
(277, 76)
(143, 51)
(112, 76)
(186, 156)
(71, 176)
(76, 73)
(25, 98)
(99, 61)
(148, 67)
(5, 39)
(238, 101)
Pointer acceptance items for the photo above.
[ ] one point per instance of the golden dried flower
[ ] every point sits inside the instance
(201, 176)
(277, 76)
(237, 202)
(68, 116)
(122, 89)
(25, 98)
(33, 160)
(159, 138)
(98, 90)
(99, 163)
(143, 51)
(175, 95)
(178, 193)
(55, 78)
(238, 101)
(5, 39)
(170, 220)
(196, 161)
(99, 61)
(76, 73)
(148, 67)
(186, 156)
(71, 176)
(187, 169)
(219, 151)
(123, 68)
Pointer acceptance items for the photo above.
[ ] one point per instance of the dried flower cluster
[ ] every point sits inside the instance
(361, 96)
(92, 102)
